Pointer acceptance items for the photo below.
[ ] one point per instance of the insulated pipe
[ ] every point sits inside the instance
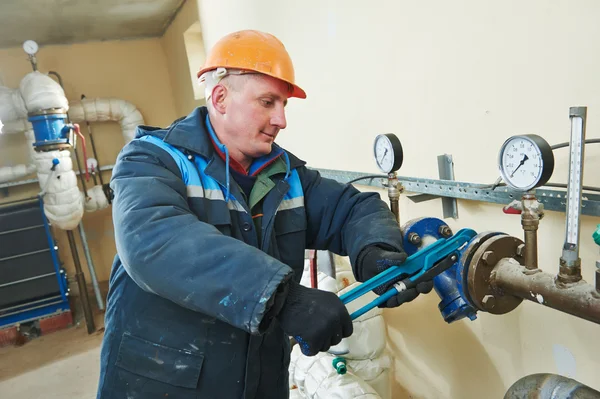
(578, 299)
(549, 386)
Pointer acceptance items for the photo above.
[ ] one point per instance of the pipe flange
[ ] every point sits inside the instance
(481, 268)
(467, 255)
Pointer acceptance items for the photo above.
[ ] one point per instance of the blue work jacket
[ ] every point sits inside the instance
(195, 289)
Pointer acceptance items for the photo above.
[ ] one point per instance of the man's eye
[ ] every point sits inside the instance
(267, 103)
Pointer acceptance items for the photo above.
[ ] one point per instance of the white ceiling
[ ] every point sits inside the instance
(75, 21)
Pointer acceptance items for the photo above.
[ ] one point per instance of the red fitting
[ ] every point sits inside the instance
(509, 210)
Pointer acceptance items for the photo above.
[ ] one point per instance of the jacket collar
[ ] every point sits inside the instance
(192, 133)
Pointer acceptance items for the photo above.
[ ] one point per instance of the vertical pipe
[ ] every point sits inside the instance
(531, 261)
(83, 294)
(570, 263)
(530, 220)
(313, 269)
(88, 258)
(89, 129)
(394, 195)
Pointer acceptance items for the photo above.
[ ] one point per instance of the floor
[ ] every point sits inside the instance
(43, 367)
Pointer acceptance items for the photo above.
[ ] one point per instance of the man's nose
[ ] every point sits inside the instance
(278, 118)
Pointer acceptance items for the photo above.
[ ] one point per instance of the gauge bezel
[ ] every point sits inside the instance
(34, 44)
(397, 151)
(547, 159)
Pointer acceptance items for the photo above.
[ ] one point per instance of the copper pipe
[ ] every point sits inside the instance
(578, 299)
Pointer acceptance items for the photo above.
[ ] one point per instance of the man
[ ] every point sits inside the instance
(211, 222)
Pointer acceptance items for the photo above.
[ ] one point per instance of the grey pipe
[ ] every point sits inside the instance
(549, 386)
(88, 257)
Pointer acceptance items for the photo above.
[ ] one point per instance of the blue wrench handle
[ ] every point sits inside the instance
(414, 267)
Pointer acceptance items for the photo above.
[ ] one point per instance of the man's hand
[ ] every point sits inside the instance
(317, 319)
(373, 260)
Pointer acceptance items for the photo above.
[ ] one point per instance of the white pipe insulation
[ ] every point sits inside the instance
(368, 361)
(108, 109)
(103, 110)
(64, 203)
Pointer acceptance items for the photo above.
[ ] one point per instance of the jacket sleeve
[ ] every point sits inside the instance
(167, 251)
(343, 220)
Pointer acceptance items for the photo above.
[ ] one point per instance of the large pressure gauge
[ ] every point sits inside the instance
(526, 162)
(388, 152)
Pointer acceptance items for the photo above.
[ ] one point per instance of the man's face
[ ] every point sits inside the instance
(255, 113)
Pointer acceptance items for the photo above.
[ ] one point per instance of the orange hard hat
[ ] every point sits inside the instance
(255, 51)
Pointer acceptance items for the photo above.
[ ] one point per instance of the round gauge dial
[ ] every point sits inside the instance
(30, 47)
(388, 152)
(526, 162)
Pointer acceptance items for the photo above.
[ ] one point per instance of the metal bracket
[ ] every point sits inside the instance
(553, 200)
(446, 171)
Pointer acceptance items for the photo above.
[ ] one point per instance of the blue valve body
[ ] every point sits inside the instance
(450, 285)
(50, 129)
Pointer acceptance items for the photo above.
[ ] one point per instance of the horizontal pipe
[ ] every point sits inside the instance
(23, 305)
(22, 229)
(578, 299)
(33, 308)
(25, 254)
(27, 279)
(549, 386)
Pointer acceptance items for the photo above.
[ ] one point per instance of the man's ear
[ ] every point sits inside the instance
(218, 97)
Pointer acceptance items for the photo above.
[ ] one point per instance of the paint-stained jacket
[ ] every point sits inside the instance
(197, 283)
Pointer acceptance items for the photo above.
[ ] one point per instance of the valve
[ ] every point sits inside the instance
(339, 364)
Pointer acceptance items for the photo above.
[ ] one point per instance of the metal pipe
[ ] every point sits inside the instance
(39, 251)
(578, 299)
(83, 294)
(89, 129)
(394, 195)
(90, 262)
(27, 279)
(549, 386)
(530, 220)
(570, 263)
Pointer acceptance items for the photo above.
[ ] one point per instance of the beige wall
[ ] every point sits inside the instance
(184, 57)
(135, 71)
(464, 76)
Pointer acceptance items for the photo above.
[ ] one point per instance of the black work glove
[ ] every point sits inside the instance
(317, 319)
(373, 260)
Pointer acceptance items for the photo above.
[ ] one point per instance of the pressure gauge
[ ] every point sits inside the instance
(388, 152)
(30, 47)
(526, 162)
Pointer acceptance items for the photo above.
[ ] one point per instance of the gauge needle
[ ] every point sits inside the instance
(383, 156)
(525, 158)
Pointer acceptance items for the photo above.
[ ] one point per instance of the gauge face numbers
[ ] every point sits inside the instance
(388, 152)
(526, 162)
(30, 47)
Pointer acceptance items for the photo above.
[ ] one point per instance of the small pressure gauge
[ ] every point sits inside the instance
(526, 162)
(388, 152)
(30, 47)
